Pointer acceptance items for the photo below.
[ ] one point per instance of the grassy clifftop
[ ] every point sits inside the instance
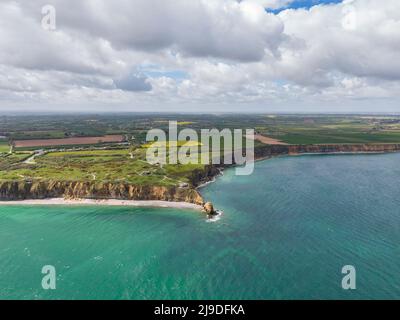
(99, 174)
(98, 166)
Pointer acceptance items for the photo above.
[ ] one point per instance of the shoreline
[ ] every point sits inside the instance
(213, 179)
(103, 202)
(337, 153)
(171, 204)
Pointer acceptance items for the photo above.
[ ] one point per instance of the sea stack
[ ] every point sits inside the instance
(209, 209)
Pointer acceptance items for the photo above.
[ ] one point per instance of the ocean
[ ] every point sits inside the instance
(285, 233)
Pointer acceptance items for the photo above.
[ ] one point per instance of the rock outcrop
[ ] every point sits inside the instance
(209, 208)
(204, 175)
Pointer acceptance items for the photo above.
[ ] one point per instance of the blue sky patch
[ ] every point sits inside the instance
(156, 71)
(306, 4)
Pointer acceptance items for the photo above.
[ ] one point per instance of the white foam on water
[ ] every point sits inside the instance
(216, 217)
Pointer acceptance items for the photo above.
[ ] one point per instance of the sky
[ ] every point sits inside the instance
(200, 56)
(296, 4)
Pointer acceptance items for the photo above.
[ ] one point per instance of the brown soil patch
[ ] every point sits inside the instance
(267, 140)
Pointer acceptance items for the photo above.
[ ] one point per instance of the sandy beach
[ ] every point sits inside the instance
(107, 202)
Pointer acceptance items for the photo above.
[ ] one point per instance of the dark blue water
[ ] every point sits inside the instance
(286, 232)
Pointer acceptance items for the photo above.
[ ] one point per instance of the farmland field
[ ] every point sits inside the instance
(68, 141)
(291, 129)
(89, 153)
(267, 140)
(80, 157)
(4, 146)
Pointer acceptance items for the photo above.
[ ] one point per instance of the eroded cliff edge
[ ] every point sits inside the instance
(21, 190)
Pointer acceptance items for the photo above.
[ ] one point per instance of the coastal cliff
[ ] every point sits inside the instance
(21, 190)
(275, 150)
(43, 189)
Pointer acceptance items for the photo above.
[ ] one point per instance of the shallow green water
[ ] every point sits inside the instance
(286, 232)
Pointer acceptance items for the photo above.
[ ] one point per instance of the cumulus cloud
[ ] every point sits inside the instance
(360, 38)
(133, 82)
(232, 53)
(203, 28)
(24, 43)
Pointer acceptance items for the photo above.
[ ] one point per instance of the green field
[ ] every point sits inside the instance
(96, 165)
(10, 161)
(90, 163)
(40, 134)
(4, 147)
(328, 137)
(332, 129)
(292, 129)
(89, 153)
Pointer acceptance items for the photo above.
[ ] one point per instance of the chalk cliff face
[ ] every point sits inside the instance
(19, 190)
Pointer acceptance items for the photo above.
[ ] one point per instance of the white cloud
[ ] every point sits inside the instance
(202, 28)
(233, 54)
(368, 49)
(272, 4)
(133, 82)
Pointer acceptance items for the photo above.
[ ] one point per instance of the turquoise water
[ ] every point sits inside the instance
(286, 232)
